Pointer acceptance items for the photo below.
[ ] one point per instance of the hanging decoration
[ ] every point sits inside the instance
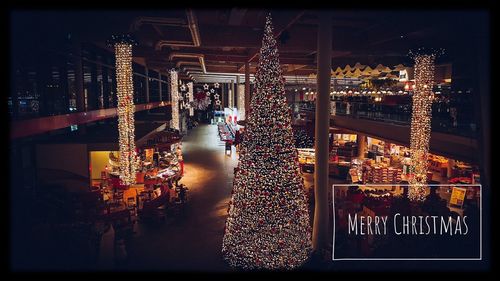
(217, 100)
(201, 101)
(216, 96)
(268, 223)
(125, 93)
(205, 87)
(216, 85)
(174, 90)
(184, 96)
(421, 120)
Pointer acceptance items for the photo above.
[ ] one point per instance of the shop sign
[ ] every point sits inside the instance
(458, 196)
(403, 75)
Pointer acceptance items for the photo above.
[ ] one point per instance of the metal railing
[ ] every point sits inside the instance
(401, 115)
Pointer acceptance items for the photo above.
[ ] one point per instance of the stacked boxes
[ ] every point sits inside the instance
(378, 174)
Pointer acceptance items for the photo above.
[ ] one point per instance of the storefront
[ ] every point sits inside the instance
(359, 159)
(386, 162)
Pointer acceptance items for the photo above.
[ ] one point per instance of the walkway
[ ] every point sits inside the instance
(192, 242)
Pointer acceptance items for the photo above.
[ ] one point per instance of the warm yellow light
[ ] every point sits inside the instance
(126, 109)
(421, 124)
(174, 90)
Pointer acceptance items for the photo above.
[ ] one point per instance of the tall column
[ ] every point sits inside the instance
(174, 92)
(247, 88)
(241, 102)
(361, 140)
(190, 98)
(322, 124)
(231, 96)
(125, 110)
(223, 96)
(237, 92)
(421, 118)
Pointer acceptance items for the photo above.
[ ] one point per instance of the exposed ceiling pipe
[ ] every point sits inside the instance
(200, 57)
(194, 30)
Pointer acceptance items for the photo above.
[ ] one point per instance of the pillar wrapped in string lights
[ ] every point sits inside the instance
(190, 98)
(241, 102)
(125, 92)
(174, 91)
(421, 119)
(268, 223)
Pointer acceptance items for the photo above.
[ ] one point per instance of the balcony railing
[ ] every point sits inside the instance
(401, 115)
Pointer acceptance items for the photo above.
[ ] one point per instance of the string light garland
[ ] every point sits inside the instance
(125, 92)
(190, 98)
(268, 224)
(241, 102)
(230, 99)
(174, 90)
(421, 119)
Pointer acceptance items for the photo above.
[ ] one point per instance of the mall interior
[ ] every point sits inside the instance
(350, 87)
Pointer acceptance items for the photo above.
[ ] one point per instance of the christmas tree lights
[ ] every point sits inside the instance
(268, 224)
(125, 92)
(174, 90)
(421, 120)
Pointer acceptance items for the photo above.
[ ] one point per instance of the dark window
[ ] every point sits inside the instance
(154, 90)
(139, 89)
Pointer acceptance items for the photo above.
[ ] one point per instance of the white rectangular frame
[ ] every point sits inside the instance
(413, 259)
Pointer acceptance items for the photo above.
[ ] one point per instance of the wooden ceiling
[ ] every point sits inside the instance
(203, 42)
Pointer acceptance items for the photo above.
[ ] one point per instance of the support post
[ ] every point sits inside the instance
(322, 124)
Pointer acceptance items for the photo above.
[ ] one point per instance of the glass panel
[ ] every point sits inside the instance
(139, 89)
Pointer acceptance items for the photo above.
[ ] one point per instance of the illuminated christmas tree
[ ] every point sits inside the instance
(268, 223)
